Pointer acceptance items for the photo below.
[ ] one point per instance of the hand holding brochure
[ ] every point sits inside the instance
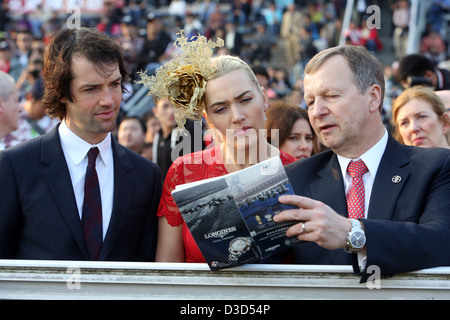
(231, 217)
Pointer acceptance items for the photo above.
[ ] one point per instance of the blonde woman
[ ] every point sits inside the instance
(225, 90)
(420, 119)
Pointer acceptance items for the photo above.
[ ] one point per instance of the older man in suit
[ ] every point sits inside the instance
(9, 106)
(393, 210)
(57, 200)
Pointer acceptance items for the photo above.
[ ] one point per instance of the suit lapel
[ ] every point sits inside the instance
(57, 176)
(391, 176)
(329, 188)
(123, 187)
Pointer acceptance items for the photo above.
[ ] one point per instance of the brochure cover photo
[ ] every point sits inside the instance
(231, 217)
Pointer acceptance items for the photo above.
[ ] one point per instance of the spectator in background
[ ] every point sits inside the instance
(24, 40)
(415, 69)
(131, 133)
(8, 61)
(289, 129)
(400, 19)
(177, 8)
(306, 46)
(233, 38)
(420, 119)
(152, 127)
(264, 81)
(435, 14)
(240, 12)
(30, 74)
(280, 82)
(295, 97)
(9, 106)
(192, 25)
(261, 46)
(432, 46)
(154, 46)
(33, 120)
(164, 140)
(273, 16)
(291, 25)
(369, 37)
(111, 16)
(206, 9)
(353, 34)
(131, 42)
(216, 20)
(152, 124)
(444, 95)
(5, 15)
(167, 138)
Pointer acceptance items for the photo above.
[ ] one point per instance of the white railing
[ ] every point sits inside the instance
(27, 279)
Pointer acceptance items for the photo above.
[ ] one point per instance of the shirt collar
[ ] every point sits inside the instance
(77, 148)
(371, 158)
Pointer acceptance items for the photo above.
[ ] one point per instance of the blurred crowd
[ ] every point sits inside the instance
(276, 37)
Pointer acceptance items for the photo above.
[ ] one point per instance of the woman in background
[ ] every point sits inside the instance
(288, 127)
(420, 119)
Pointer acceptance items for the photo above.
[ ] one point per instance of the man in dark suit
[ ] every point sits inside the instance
(46, 205)
(395, 216)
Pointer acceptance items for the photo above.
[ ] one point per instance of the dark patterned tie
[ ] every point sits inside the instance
(356, 194)
(92, 208)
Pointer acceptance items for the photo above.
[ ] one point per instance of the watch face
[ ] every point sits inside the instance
(357, 239)
(239, 244)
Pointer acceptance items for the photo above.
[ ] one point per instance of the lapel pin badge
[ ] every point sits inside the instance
(396, 179)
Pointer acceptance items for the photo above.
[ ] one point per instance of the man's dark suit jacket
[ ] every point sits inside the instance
(39, 218)
(408, 225)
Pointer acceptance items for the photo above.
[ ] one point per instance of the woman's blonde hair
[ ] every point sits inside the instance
(225, 64)
(423, 93)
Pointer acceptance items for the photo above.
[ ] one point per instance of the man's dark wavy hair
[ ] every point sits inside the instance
(96, 47)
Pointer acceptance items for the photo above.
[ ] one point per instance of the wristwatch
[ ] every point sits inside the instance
(356, 238)
(237, 247)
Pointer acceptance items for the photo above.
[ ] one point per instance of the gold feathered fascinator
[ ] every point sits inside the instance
(182, 80)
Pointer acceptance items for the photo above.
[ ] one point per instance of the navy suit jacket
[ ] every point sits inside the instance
(39, 218)
(408, 224)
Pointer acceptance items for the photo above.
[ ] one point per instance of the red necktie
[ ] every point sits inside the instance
(356, 194)
(92, 208)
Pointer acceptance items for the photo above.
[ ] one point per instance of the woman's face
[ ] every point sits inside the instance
(419, 125)
(235, 107)
(299, 144)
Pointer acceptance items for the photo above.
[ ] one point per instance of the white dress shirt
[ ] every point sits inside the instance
(372, 159)
(75, 151)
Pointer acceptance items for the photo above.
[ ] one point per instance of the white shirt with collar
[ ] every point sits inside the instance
(75, 151)
(372, 159)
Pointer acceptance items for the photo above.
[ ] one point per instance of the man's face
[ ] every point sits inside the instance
(165, 114)
(24, 41)
(337, 110)
(97, 95)
(131, 134)
(10, 109)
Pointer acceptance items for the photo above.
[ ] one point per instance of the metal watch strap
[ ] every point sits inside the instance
(356, 226)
